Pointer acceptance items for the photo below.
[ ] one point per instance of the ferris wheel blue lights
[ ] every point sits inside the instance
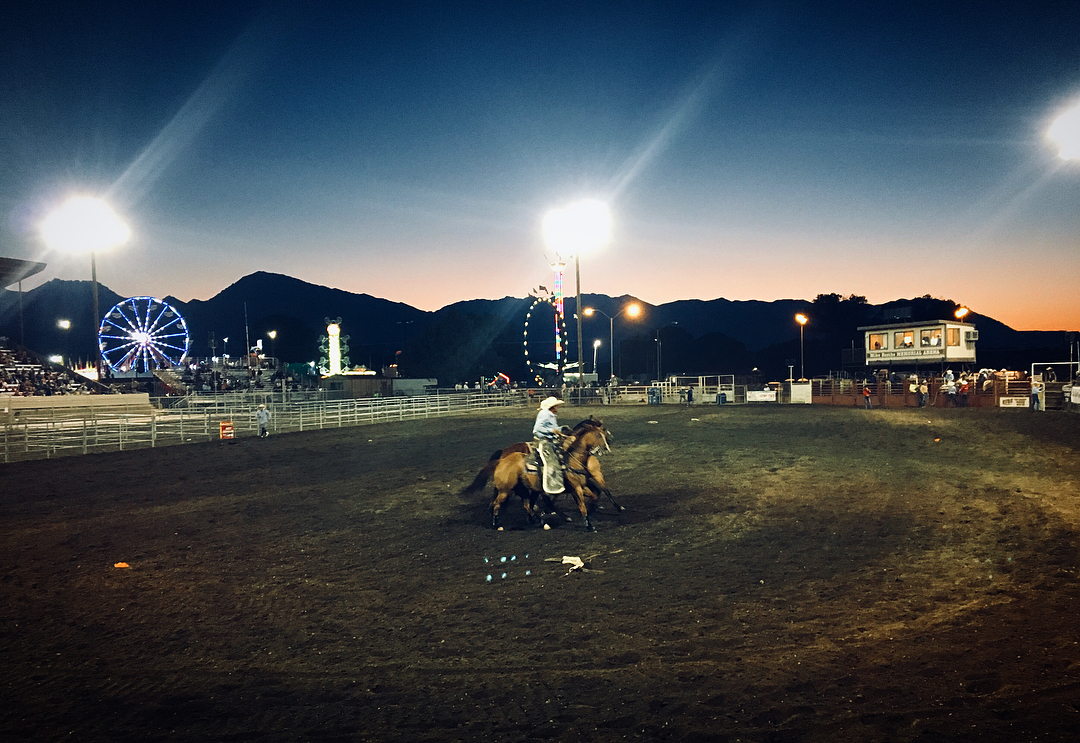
(141, 334)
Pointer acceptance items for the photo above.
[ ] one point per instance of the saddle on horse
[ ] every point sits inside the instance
(552, 465)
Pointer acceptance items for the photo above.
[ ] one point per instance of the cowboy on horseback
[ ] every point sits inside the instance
(545, 430)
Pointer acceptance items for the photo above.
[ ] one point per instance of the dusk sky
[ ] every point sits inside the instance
(410, 150)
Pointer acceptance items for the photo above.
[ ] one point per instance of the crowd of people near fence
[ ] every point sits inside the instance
(944, 388)
(256, 373)
(22, 375)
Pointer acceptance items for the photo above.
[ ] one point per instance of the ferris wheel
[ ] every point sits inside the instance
(142, 334)
(560, 333)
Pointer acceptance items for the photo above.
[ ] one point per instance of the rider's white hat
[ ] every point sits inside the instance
(550, 402)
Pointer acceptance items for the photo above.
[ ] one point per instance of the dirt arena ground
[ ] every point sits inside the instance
(781, 574)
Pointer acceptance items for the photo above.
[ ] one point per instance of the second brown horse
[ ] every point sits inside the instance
(512, 474)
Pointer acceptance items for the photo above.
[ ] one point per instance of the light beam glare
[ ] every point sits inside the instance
(220, 85)
(690, 105)
(1065, 132)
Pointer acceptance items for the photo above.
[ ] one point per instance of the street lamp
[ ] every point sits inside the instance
(631, 310)
(961, 312)
(579, 227)
(659, 346)
(802, 320)
(65, 324)
(84, 224)
(595, 348)
(273, 336)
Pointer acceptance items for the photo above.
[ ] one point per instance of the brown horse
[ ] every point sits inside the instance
(596, 478)
(512, 475)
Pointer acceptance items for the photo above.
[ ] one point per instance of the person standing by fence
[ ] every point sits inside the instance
(262, 415)
(1036, 393)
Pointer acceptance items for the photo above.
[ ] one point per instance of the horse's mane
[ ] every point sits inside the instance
(589, 422)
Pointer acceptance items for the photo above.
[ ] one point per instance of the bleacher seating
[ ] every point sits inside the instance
(23, 375)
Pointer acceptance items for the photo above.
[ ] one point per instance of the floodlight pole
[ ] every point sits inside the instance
(802, 320)
(611, 345)
(22, 333)
(85, 223)
(659, 378)
(97, 318)
(577, 314)
(802, 363)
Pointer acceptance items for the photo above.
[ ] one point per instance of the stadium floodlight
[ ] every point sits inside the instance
(84, 224)
(577, 228)
(1065, 133)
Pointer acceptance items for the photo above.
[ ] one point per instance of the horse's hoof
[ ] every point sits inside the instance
(547, 527)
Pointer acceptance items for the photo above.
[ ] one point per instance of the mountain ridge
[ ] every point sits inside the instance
(465, 338)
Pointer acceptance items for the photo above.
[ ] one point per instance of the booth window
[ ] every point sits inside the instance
(904, 339)
(952, 336)
(876, 341)
(930, 338)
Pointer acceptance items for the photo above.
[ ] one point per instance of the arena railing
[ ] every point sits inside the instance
(51, 434)
(46, 434)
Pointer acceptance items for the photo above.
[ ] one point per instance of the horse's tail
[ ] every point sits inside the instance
(484, 474)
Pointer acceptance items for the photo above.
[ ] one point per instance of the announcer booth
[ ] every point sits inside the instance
(918, 343)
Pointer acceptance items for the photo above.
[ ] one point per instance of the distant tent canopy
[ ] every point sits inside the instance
(12, 271)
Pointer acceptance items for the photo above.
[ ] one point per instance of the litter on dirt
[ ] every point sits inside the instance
(575, 563)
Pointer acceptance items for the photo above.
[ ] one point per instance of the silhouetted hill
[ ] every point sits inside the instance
(479, 337)
(49, 303)
(298, 312)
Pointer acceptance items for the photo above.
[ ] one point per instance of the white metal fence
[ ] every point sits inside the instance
(45, 433)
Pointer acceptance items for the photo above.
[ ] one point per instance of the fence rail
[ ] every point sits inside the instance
(47, 433)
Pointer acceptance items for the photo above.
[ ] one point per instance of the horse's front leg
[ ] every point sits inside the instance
(583, 507)
(598, 487)
(596, 483)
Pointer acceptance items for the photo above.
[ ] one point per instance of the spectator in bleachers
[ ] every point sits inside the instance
(24, 376)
